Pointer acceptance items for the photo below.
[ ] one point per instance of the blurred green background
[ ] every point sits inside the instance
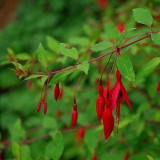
(80, 24)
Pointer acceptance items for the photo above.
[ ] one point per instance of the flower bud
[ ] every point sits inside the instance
(45, 108)
(74, 118)
(39, 106)
(100, 104)
(56, 92)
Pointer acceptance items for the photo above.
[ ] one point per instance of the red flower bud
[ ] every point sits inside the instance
(74, 118)
(100, 104)
(108, 122)
(45, 108)
(158, 87)
(94, 157)
(80, 134)
(120, 27)
(39, 106)
(56, 92)
(102, 3)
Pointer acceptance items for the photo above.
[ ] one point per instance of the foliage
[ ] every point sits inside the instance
(85, 36)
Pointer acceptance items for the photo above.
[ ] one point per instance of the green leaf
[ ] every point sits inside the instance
(35, 76)
(143, 16)
(49, 123)
(91, 139)
(82, 41)
(52, 44)
(60, 76)
(84, 67)
(152, 63)
(72, 53)
(101, 46)
(42, 57)
(23, 56)
(125, 66)
(156, 38)
(57, 148)
(16, 150)
(149, 157)
(18, 66)
(25, 152)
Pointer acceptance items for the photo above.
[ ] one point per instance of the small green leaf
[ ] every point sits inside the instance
(149, 157)
(143, 16)
(49, 123)
(101, 46)
(18, 66)
(23, 56)
(82, 41)
(125, 66)
(91, 140)
(34, 76)
(84, 67)
(58, 147)
(52, 44)
(60, 76)
(25, 152)
(152, 63)
(42, 57)
(16, 150)
(156, 38)
(72, 53)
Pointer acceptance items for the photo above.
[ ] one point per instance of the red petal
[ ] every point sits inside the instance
(108, 122)
(125, 95)
(74, 118)
(115, 93)
(56, 91)
(100, 104)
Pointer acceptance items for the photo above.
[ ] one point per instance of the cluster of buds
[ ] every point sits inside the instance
(42, 101)
(108, 100)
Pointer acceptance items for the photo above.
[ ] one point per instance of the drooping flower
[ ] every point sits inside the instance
(117, 90)
(158, 87)
(108, 122)
(29, 84)
(120, 27)
(100, 102)
(56, 91)
(61, 93)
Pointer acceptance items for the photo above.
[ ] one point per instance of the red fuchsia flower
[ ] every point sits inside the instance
(56, 91)
(119, 94)
(118, 91)
(120, 27)
(108, 122)
(126, 156)
(100, 103)
(158, 87)
(80, 134)
(42, 101)
(102, 3)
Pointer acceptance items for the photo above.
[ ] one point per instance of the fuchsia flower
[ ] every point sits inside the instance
(158, 87)
(108, 122)
(42, 101)
(100, 103)
(102, 3)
